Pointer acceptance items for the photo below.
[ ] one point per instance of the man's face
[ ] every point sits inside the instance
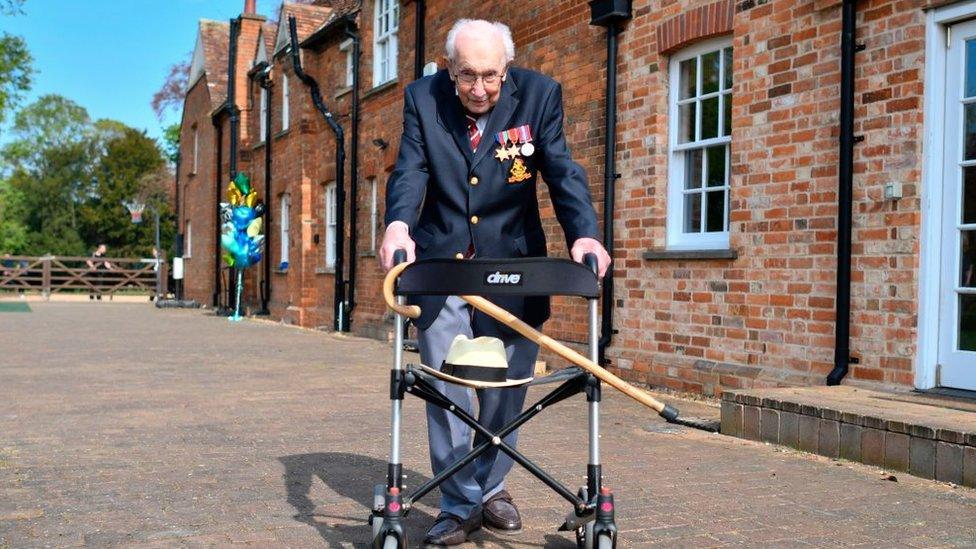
(478, 71)
(101, 248)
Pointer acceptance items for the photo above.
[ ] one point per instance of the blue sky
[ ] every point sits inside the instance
(110, 56)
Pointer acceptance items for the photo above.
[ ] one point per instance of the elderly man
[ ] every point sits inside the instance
(476, 137)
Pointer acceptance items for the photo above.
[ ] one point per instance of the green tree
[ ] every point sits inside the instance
(13, 231)
(15, 63)
(48, 166)
(131, 166)
(171, 142)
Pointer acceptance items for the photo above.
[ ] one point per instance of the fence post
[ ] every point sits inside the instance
(46, 278)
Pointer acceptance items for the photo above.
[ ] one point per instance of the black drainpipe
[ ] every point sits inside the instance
(610, 14)
(339, 292)
(420, 39)
(265, 82)
(219, 138)
(235, 123)
(180, 224)
(842, 343)
(353, 34)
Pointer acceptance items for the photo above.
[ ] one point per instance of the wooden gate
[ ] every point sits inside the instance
(96, 276)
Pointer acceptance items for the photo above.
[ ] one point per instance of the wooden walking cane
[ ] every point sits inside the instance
(412, 311)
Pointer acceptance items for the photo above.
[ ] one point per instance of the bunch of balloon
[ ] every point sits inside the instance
(241, 232)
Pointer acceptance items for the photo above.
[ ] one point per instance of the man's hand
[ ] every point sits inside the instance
(396, 237)
(584, 246)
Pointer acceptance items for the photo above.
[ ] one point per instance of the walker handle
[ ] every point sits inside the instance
(399, 260)
(592, 262)
(399, 256)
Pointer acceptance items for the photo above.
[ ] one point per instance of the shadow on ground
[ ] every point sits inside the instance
(352, 477)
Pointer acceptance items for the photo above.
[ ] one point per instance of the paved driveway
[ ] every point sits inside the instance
(125, 425)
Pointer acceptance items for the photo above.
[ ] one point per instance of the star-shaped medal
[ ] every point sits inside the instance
(501, 153)
(513, 151)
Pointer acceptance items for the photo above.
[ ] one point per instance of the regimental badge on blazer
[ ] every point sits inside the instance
(514, 143)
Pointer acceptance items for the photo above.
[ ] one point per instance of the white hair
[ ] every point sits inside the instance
(501, 29)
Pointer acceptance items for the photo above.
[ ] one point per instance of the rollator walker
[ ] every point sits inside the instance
(592, 515)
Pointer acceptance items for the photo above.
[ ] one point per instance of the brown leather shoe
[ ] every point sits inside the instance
(450, 530)
(501, 514)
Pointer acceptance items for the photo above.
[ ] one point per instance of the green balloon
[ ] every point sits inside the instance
(243, 183)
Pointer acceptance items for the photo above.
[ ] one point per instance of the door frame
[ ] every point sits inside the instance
(937, 22)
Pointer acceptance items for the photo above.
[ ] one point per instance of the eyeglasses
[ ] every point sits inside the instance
(468, 78)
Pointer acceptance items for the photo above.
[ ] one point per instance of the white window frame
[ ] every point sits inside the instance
(677, 238)
(188, 240)
(346, 47)
(330, 225)
(285, 110)
(373, 214)
(937, 22)
(196, 150)
(386, 23)
(284, 223)
(263, 116)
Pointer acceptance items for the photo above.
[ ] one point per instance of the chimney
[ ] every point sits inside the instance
(249, 7)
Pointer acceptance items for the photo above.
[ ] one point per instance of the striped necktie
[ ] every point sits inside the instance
(474, 135)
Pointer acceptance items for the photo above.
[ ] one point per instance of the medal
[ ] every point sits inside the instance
(518, 173)
(502, 153)
(525, 137)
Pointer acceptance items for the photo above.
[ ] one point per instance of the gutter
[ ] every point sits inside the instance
(419, 39)
(353, 34)
(262, 73)
(340, 160)
(845, 192)
(610, 14)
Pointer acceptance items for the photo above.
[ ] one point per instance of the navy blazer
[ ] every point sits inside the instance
(439, 185)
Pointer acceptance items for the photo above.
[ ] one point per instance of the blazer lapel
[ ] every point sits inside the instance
(451, 116)
(498, 119)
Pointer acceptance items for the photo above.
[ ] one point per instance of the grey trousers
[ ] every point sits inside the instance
(449, 438)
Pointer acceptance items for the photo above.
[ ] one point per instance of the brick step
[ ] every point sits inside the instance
(920, 435)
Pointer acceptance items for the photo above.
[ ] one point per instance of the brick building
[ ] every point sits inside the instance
(729, 134)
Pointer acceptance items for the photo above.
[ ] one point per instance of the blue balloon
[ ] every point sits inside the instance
(229, 243)
(242, 217)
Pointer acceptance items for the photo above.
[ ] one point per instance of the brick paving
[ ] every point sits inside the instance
(124, 425)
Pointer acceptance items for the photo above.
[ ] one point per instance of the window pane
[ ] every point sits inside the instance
(715, 212)
(967, 323)
(727, 114)
(686, 121)
(969, 195)
(969, 132)
(709, 118)
(688, 83)
(692, 222)
(728, 68)
(710, 72)
(967, 260)
(715, 174)
(693, 169)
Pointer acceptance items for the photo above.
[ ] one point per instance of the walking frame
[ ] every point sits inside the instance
(592, 517)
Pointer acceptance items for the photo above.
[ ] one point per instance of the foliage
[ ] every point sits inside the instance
(15, 63)
(170, 96)
(171, 142)
(66, 177)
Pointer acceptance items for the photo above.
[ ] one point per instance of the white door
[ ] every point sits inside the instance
(957, 306)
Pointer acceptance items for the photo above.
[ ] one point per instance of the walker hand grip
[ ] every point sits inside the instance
(409, 311)
(399, 256)
(592, 262)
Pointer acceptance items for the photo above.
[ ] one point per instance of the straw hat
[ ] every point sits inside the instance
(478, 362)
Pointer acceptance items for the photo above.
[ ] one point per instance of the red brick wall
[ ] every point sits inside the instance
(197, 192)
(765, 318)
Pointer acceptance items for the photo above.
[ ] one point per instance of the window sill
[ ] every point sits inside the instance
(381, 88)
(325, 271)
(281, 134)
(660, 254)
(367, 254)
(257, 145)
(280, 272)
(342, 91)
